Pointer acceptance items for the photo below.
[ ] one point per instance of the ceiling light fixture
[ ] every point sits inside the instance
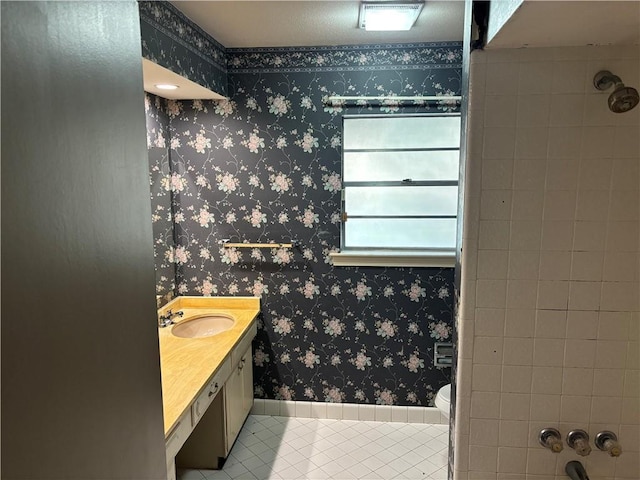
(389, 16)
(166, 86)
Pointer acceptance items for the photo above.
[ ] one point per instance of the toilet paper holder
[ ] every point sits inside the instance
(443, 354)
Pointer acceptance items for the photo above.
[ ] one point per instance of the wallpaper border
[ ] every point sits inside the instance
(405, 56)
(173, 41)
(195, 39)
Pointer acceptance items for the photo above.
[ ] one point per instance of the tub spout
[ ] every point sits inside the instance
(576, 471)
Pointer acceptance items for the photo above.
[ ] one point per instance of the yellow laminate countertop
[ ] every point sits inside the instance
(188, 363)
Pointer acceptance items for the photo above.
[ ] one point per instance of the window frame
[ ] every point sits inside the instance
(401, 256)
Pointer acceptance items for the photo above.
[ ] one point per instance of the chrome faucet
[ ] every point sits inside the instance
(579, 441)
(576, 471)
(607, 441)
(167, 319)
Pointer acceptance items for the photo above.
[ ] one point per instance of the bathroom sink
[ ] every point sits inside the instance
(204, 326)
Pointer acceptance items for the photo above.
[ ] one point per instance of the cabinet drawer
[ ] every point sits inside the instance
(213, 387)
(178, 436)
(243, 345)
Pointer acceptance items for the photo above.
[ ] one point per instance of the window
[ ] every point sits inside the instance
(400, 195)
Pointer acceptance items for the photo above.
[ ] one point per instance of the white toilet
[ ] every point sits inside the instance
(443, 400)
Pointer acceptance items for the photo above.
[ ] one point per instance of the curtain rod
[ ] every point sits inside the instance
(433, 98)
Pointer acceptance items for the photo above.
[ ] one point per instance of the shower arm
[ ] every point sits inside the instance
(605, 80)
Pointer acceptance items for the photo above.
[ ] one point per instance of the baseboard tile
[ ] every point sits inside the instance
(258, 406)
(348, 411)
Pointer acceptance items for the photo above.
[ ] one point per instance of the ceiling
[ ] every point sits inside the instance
(269, 23)
(153, 75)
(535, 23)
(525, 23)
(570, 23)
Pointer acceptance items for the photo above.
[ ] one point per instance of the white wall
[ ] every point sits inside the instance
(549, 328)
(81, 395)
(500, 12)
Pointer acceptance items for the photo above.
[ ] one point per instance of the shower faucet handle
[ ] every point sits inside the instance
(550, 438)
(579, 441)
(608, 442)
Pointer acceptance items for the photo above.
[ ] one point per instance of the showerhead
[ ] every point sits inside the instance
(623, 98)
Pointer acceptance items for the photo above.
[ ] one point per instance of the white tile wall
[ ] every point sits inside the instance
(549, 322)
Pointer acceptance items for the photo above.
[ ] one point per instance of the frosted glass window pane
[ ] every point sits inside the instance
(401, 132)
(401, 200)
(396, 166)
(398, 232)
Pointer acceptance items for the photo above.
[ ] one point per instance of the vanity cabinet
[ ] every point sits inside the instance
(217, 414)
(208, 394)
(184, 429)
(175, 441)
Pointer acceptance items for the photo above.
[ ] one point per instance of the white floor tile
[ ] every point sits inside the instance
(253, 463)
(291, 473)
(374, 463)
(258, 448)
(400, 464)
(374, 476)
(288, 448)
(190, 475)
(347, 461)
(413, 474)
(320, 459)
(317, 474)
(264, 472)
(387, 471)
(216, 475)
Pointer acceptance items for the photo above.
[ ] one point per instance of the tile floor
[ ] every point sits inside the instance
(306, 448)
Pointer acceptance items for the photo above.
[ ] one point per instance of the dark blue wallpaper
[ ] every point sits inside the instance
(173, 41)
(264, 166)
(158, 149)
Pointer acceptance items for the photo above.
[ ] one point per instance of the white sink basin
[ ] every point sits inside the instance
(204, 326)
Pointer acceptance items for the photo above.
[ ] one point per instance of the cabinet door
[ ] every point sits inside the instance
(233, 406)
(238, 396)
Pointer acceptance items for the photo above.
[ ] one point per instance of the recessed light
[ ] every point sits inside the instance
(166, 86)
(389, 16)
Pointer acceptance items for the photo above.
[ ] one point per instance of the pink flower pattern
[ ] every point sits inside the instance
(208, 288)
(282, 325)
(416, 292)
(386, 329)
(227, 182)
(310, 359)
(310, 289)
(333, 327)
(252, 169)
(254, 142)
(332, 183)
(205, 217)
(309, 218)
(278, 105)
(385, 397)
(362, 291)
(440, 331)
(280, 183)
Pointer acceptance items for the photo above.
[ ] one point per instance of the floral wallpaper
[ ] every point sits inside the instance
(265, 166)
(419, 56)
(173, 41)
(161, 204)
